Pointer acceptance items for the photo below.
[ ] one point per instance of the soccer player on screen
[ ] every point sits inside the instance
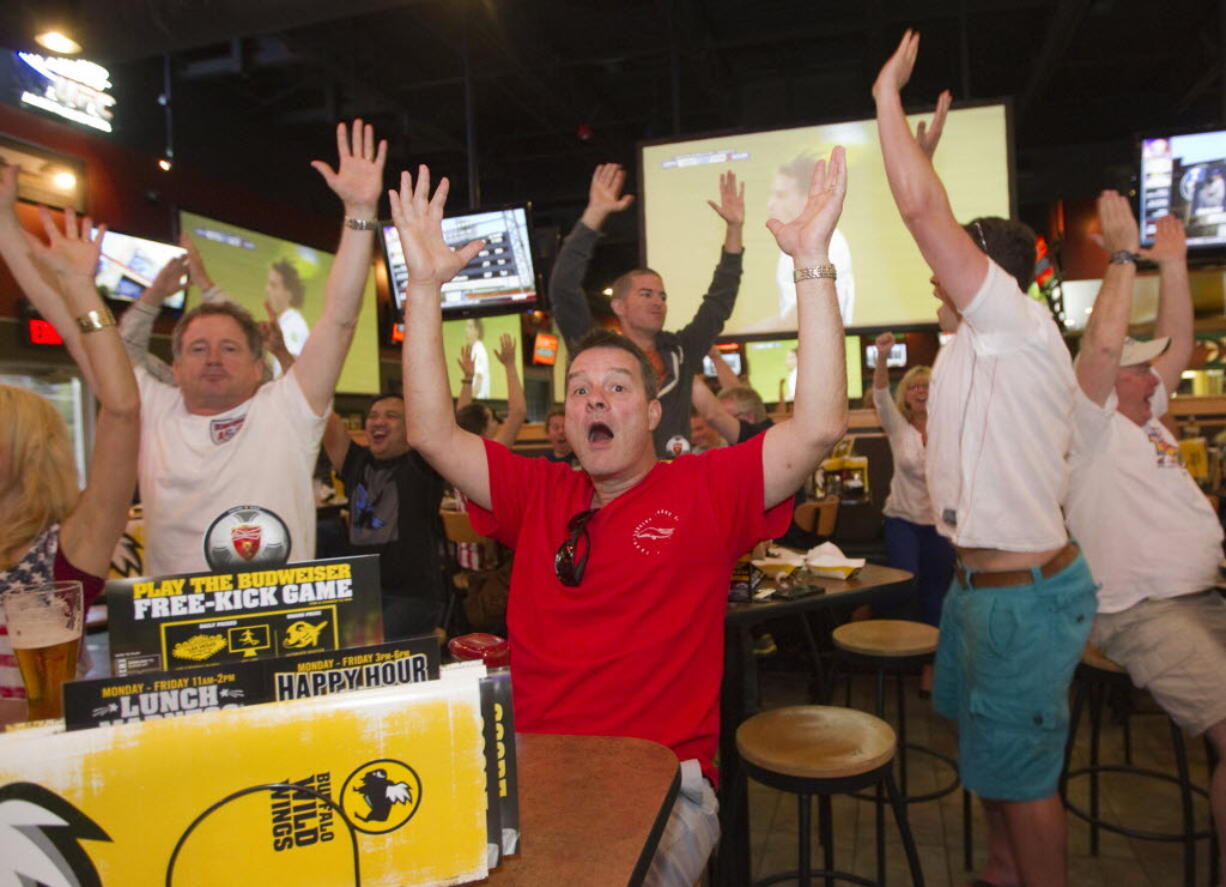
(620, 582)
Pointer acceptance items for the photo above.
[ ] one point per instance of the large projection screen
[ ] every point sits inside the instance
(888, 277)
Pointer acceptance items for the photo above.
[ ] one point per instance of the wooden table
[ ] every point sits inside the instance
(739, 695)
(591, 808)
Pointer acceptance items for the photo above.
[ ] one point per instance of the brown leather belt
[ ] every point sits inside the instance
(1007, 578)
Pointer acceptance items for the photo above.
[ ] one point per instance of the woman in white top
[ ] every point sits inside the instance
(911, 541)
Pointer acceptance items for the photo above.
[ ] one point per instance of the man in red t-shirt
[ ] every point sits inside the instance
(621, 570)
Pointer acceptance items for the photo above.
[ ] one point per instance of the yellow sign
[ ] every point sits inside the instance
(385, 786)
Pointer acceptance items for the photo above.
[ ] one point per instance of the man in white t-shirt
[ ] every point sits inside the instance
(225, 468)
(1022, 600)
(1151, 536)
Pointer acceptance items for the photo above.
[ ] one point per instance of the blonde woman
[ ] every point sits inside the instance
(911, 540)
(49, 530)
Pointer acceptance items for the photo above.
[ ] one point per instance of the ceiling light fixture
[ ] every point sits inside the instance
(57, 42)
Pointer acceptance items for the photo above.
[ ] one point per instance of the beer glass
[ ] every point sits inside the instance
(45, 625)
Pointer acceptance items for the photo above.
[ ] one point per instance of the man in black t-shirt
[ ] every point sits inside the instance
(394, 498)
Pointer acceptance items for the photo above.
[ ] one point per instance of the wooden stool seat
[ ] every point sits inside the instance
(887, 638)
(1095, 658)
(816, 741)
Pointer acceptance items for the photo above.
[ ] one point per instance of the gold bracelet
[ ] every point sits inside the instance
(357, 224)
(815, 273)
(92, 321)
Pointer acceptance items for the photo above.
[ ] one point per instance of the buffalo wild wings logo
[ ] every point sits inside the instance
(381, 796)
(653, 534)
(246, 535)
(223, 430)
(40, 838)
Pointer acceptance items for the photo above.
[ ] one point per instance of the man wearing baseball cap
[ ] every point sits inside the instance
(1152, 538)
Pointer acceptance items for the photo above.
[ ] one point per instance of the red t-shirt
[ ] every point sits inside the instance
(637, 648)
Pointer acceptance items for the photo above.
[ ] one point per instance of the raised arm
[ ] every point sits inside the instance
(136, 324)
(794, 448)
(456, 454)
(949, 251)
(40, 289)
(566, 296)
(336, 441)
(468, 369)
(88, 535)
(1170, 251)
(723, 372)
(1103, 340)
(713, 412)
(731, 208)
(881, 372)
(357, 182)
(517, 404)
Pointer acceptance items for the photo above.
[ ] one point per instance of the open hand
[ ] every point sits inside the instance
(929, 136)
(1170, 242)
(506, 350)
(196, 274)
(1119, 226)
(71, 253)
(169, 280)
(731, 206)
(358, 178)
(605, 193)
(465, 361)
(897, 70)
(808, 235)
(419, 222)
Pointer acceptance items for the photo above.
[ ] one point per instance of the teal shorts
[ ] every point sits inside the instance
(1003, 668)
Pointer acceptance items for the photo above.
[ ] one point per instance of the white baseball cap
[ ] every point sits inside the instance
(1136, 352)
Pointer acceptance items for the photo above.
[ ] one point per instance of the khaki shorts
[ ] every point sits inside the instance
(1176, 649)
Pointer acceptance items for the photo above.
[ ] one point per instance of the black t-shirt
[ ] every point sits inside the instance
(393, 512)
(752, 429)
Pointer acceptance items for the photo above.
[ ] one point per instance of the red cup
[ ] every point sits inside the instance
(489, 648)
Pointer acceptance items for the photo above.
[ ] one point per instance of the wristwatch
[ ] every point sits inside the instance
(1122, 256)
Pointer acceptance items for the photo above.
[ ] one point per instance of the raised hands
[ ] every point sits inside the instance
(71, 254)
(1119, 226)
(807, 237)
(604, 195)
(506, 351)
(358, 178)
(731, 206)
(884, 343)
(168, 280)
(1170, 243)
(897, 70)
(929, 136)
(418, 217)
(465, 362)
(196, 274)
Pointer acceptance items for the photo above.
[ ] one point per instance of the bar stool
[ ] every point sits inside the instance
(1097, 677)
(823, 750)
(899, 646)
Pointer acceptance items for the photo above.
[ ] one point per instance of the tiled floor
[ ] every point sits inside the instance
(937, 825)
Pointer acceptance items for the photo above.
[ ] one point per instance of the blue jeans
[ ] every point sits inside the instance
(919, 549)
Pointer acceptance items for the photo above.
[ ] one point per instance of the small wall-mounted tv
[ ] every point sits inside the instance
(1185, 175)
(897, 358)
(501, 279)
(128, 265)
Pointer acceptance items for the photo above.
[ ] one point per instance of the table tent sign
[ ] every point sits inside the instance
(381, 787)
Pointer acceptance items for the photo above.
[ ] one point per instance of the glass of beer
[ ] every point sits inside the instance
(45, 624)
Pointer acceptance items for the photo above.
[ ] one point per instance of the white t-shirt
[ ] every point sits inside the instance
(844, 284)
(481, 371)
(908, 497)
(998, 424)
(1145, 527)
(194, 468)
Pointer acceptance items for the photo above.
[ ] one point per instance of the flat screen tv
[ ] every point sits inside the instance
(252, 268)
(128, 265)
(501, 279)
(897, 357)
(1185, 175)
(883, 279)
(772, 364)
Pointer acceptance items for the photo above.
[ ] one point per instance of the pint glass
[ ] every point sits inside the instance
(45, 624)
